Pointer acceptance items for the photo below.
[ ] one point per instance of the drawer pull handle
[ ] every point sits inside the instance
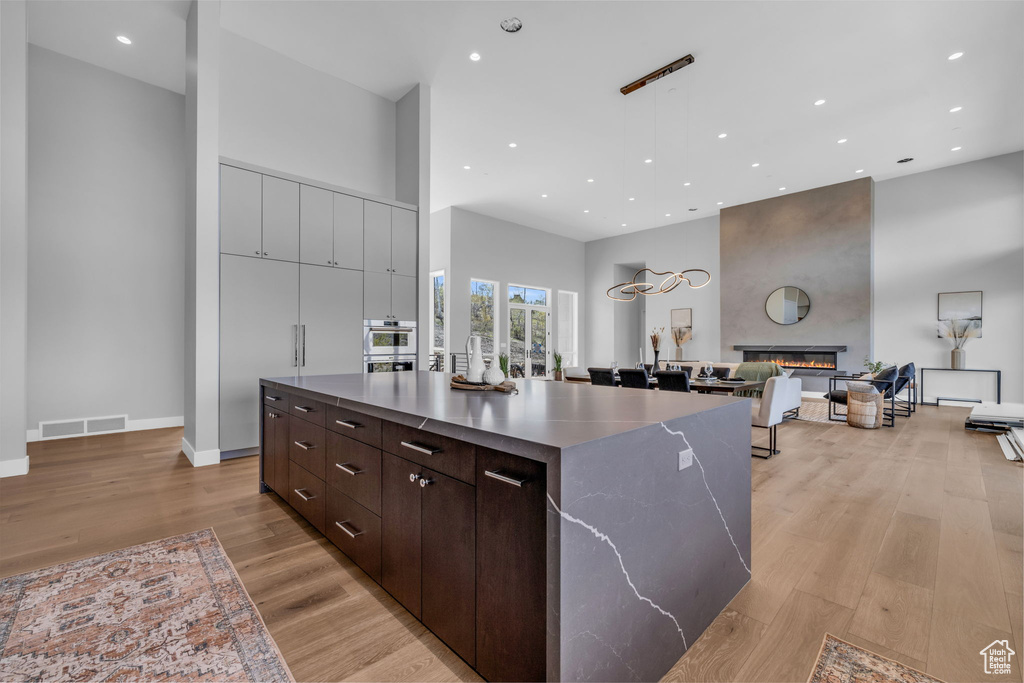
(305, 445)
(414, 478)
(305, 409)
(345, 468)
(341, 525)
(424, 483)
(496, 474)
(272, 398)
(350, 425)
(302, 495)
(426, 450)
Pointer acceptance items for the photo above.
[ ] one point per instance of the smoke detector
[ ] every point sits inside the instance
(511, 25)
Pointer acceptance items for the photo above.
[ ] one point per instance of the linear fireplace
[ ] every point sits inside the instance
(806, 360)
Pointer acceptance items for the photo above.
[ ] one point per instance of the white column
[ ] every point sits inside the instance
(202, 249)
(13, 239)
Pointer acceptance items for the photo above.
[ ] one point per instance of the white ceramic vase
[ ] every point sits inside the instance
(475, 373)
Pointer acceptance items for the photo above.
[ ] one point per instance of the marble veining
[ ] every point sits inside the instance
(622, 565)
(710, 493)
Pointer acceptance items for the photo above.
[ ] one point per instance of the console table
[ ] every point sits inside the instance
(938, 399)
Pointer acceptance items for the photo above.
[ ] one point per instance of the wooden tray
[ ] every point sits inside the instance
(459, 382)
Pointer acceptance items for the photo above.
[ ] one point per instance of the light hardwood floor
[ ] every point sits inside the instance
(906, 541)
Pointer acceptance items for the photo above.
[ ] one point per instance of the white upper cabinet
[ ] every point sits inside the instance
(376, 237)
(241, 212)
(348, 231)
(404, 234)
(280, 219)
(316, 226)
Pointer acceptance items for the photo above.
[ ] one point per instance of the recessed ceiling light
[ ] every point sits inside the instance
(841, 141)
(466, 167)
(586, 210)
(590, 180)
(754, 165)
(686, 184)
(955, 55)
(124, 39)
(905, 160)
(720, 203)
(511, 25)
(632, 198)
(667, 215)
(544, 196)
(859, 170)
(955, 110)
(475, 56)
(722, 135)
(781, 189)
(647, 161)
(512, 145)
(956, 149)
(818, 103)
(623, 225)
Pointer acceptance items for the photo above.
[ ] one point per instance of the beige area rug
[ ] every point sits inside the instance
(841, 662)
(817, 411)
(172, 609)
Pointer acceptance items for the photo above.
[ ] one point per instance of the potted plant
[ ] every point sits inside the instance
(959, 331)
(874, 366)
(503, 363)
(558, 366)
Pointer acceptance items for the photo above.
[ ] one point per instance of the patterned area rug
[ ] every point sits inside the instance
(171, 609)
(841, 662)
(817, 411)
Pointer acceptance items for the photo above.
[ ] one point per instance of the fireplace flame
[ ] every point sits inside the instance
(790, 363)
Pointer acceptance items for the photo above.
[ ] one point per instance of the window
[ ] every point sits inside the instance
(482, 314)
(437, 313)
(528, 347)
(568, 328)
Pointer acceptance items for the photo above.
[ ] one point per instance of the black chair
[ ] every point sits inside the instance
(602, 377)
(673, 380)
(906, 380)
(884, 380)
(635, 379)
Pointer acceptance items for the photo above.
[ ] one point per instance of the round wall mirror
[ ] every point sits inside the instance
(787, 305)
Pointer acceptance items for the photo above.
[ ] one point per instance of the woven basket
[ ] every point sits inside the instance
(863, 406)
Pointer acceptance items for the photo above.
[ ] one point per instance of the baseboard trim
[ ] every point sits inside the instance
(239, 453)
(130, 426)
(14, 468)
(200, 458)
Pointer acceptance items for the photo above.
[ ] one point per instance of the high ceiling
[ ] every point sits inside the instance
(553, 89)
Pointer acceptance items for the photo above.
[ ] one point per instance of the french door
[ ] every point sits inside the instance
(529, 339)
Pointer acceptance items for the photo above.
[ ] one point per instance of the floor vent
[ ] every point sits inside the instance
(63, 429)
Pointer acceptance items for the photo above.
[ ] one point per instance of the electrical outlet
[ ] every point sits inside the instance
(685, 459)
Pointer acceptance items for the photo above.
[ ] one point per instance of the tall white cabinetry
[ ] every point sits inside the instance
(298, 261)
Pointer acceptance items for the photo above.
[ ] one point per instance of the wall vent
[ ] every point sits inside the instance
(62, 429)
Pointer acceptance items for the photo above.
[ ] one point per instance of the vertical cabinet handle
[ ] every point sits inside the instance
(295, 340)
(303, 345)
(496, 474)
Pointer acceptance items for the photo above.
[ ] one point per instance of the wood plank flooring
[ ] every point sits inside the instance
(906, 541)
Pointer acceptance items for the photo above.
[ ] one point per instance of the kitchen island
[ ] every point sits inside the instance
(570, 532)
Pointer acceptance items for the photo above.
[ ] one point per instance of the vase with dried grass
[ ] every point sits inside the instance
(959, 330)
(656, 345)
(681, 335)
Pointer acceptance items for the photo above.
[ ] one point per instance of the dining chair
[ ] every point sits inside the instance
(635, 379)
(602, 377)
(673, 380)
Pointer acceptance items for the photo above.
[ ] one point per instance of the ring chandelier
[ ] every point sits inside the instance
(630, 289)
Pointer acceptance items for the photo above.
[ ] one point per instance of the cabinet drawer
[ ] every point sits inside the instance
(306, 495)
(353, 468)
(354, 425)
(307, 445)
(276, 398)
(439, 453)
(355, 530)
(311, 411)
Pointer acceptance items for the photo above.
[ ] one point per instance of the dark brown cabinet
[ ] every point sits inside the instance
(307, 495)
(275, 449)
(428, 549)
(353, 468)
(355, 530)
(511, 568)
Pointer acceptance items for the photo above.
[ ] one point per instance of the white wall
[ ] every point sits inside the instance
(283, 115)
(693, 244)
(491, 249)
(106, 198)
(958, 228)
(13, 238)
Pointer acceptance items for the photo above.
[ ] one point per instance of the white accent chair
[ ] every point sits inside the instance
(769, 410)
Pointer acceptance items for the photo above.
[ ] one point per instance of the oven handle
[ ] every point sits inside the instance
(392, 329)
